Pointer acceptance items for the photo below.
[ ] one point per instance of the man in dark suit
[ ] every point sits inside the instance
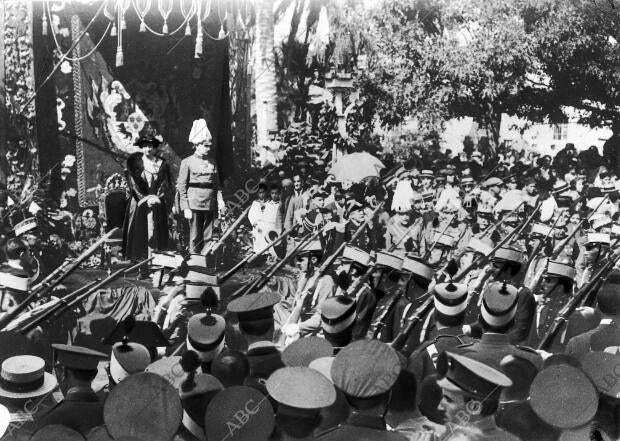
(81, 409)
(606, 336)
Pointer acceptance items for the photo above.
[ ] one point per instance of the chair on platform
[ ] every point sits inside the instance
(115, 205)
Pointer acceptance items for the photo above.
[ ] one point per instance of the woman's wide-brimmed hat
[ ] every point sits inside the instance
(148, 139)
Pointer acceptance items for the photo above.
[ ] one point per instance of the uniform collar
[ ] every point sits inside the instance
(369, 421)
(261, 344)
(81, 393)
(493, 338)
(451, 331)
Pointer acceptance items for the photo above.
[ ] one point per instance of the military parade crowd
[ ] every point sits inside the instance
(458, 296)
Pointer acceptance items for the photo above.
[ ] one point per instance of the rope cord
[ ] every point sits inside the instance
(49, 14)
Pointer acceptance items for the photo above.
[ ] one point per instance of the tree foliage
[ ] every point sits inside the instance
(443, 59)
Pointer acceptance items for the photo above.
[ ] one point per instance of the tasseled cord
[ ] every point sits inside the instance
(119, 46)
(44, 24)
(199, 37)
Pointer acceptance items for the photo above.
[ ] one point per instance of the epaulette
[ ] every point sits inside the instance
(527, 349)
(465, 345)
(422, 347)
(326, 431)
(439, 337)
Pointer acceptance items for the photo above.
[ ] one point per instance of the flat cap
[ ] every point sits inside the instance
(491, 182)
(461, 373)
(303, 351)
(301, 387)
(56, 432)
(602, 368)
(239, 413)
(365, 368)
(144, 406)
(78, 357)
(563, 396)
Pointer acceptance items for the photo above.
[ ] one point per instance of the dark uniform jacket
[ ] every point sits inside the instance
(518, 418)
(423, 361)
(361, 428)
(81, 410)
(604, 336)
(492, 348)
(526, 310)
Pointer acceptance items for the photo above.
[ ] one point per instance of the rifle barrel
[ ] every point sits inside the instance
(573, 302)
(44, 315)
(60, 276)
(213, 248)
(98, 285)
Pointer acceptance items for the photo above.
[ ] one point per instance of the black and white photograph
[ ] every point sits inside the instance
(311, 220)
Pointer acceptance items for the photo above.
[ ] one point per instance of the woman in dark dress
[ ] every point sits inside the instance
(146, 222)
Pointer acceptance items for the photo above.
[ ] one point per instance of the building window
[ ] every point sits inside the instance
(560, 131)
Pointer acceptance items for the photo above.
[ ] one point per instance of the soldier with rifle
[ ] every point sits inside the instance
(556, 288)
(352, 277)
(15, 276)
(606, 335)
(498, 311)
(403, 341)
(302, 316)
(581, 298)
(382, 321)
(421, 277)
(592, 257)
(450, 302)
(506, 266)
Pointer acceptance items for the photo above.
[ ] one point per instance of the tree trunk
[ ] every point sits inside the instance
(264, 73)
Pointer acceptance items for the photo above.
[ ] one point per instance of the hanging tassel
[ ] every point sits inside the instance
(119, 57)
(44, 24)
(221, 34)
(113, 32)
(119, 42)
(188, 30)
(142, 26)
(165, 8)
(123, 24)
(198, 50)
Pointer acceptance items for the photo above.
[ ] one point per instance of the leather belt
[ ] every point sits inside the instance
(201, 185)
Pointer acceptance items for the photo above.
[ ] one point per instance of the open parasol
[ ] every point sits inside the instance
(356, 166)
